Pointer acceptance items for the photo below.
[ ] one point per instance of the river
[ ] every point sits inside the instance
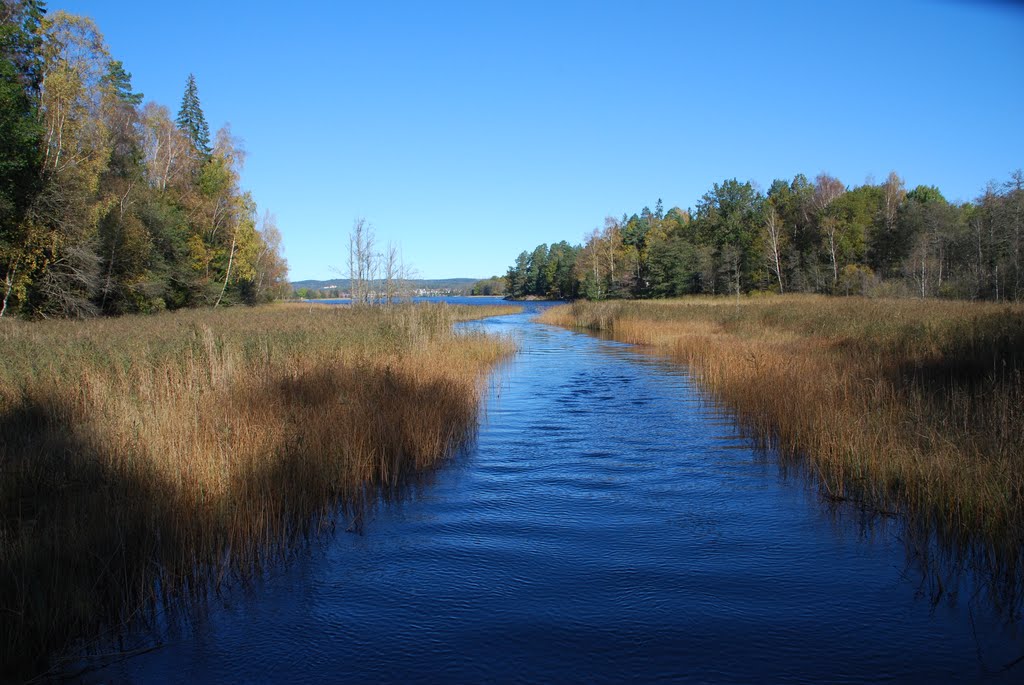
(608, 524)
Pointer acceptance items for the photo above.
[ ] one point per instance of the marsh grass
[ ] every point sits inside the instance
(908, 405)
(143, 459)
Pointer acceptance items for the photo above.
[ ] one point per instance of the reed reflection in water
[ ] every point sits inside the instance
(609, 523)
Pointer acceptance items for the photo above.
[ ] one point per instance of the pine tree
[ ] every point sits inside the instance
(119, 82)
(191, 119)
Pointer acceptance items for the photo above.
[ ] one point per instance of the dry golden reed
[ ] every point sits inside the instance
(143, 458)
(915, 405)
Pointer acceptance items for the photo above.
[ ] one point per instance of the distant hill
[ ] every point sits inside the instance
(419, 283)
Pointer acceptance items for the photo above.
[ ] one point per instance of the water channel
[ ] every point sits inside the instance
(608, 524)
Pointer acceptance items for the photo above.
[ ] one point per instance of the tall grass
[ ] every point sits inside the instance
(144, 458)
(899, 404)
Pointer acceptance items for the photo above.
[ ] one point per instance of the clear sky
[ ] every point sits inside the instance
(470, 131)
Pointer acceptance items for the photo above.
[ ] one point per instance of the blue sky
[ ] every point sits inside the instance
(468, 132)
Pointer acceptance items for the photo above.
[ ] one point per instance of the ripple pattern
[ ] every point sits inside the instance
(608, 525)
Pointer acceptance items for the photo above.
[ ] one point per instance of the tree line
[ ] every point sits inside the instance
(801, 236)
(109, 206)
(492, 287)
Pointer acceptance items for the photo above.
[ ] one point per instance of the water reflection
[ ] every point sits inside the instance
(609, 523)
(943, 565)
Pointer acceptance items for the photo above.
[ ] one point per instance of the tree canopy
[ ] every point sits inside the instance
(106, 205)
(802, 236)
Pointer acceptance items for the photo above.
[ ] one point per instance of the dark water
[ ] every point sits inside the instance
(609, 524)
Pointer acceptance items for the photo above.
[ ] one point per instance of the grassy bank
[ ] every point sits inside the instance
(144, 458)
(909, 404)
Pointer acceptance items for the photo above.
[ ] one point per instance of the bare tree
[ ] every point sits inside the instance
(406, 274)
(362, 261)
(70, 281)
(391, 273)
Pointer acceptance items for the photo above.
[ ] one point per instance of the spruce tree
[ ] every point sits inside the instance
(191, 119)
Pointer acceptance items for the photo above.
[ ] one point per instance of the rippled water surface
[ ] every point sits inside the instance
(609, 524)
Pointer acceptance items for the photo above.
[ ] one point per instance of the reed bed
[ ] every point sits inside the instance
(909, 405)
(146, 458)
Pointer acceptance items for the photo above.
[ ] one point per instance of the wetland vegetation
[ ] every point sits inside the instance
(148, 461)
(911, 405)
(149, 457)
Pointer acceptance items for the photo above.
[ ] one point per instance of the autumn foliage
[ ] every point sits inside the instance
(109, 206)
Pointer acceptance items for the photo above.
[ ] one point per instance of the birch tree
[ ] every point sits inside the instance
(165, 149)
(774, 241)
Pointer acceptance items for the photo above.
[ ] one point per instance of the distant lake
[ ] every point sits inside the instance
(609, 524)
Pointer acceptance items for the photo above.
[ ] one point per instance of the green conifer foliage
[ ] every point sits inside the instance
(20, 76)
(120, 83)
(191, 119)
